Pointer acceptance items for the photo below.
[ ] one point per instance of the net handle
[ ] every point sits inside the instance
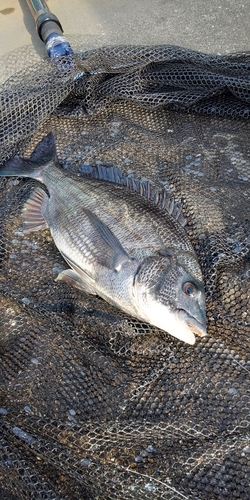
(49, 29)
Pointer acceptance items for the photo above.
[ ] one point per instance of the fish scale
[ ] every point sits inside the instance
(118, 243)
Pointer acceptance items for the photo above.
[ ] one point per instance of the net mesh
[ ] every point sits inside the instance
(93, 403)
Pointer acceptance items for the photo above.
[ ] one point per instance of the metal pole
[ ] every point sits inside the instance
(49, 29)
(46, 22)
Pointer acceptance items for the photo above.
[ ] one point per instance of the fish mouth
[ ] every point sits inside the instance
(197, 327)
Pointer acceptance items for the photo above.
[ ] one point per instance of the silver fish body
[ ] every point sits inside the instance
(119, 245)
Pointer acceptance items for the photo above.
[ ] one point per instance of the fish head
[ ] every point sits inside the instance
(170, 295)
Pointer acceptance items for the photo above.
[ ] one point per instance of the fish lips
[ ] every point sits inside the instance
(196, 326)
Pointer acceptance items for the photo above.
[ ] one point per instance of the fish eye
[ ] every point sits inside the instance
(190, 289)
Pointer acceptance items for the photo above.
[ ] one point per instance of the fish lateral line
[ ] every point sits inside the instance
(45, 153)
(89, 241)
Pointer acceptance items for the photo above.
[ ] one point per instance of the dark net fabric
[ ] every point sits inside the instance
(93, 403)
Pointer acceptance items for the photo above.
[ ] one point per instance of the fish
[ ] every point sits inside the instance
(123, 240)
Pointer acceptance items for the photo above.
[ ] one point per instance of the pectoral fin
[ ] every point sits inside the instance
(108, 249)
(74, 279)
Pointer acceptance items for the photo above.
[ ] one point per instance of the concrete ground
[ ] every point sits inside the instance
(215, 26)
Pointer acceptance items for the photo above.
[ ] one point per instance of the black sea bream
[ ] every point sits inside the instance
(118, 243)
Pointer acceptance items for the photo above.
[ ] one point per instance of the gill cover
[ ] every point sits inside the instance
(164, 300)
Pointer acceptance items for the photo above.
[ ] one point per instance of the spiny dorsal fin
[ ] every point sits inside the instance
(142, 186)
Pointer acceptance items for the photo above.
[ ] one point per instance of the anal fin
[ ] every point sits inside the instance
(74, 279)
(33, 210)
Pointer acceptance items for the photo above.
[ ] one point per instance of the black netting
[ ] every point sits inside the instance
(93, 403)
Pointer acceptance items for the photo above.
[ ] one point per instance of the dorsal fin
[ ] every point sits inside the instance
(142, 186)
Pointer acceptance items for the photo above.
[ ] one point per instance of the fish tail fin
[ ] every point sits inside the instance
(44, 153)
